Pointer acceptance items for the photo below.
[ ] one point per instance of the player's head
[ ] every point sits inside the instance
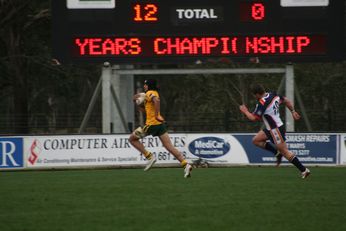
(150, 84)
(257, 90)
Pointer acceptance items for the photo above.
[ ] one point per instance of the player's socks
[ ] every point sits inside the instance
(183, 163)
(151, 160)
(270, 147)
(295, 161)
(148, 155)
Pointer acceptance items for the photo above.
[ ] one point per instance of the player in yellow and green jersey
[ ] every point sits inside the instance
(155, 126)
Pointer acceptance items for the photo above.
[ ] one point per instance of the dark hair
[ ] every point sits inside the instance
(152, 84)
(257, 88)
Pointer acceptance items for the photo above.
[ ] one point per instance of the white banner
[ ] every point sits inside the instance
(100, 150)
(343, 149)
(214, 148)
(90, 4)
(115, 150)
(291, 3)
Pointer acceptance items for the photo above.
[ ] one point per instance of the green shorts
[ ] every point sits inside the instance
(155, 130)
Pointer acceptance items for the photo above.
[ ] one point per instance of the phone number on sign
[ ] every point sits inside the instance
(164, 155)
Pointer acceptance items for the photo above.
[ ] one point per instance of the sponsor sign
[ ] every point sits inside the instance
(209, 147)
(90, 4)
(102, 150)
(290, 3)
(343, 149)
(308, 147)
(215, 148)
(11, 152)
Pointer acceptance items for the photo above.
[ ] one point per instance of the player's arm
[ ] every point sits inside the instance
(288, 103)
(156, 101)
(141, 108)
(249, 115)
(136, 96)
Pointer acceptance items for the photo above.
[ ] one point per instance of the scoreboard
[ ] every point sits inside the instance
(176, 31)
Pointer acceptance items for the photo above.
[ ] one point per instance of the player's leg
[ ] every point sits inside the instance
(166, 142)
(278, 136)
(282, 147)
(135, 141)
(261, 141)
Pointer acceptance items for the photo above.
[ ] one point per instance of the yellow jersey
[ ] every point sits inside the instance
(150, 108)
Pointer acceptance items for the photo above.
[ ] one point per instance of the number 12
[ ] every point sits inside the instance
(149, 11)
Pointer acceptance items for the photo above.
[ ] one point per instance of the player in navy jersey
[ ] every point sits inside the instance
(267, 110)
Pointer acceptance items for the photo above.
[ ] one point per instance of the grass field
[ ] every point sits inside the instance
(237, 198)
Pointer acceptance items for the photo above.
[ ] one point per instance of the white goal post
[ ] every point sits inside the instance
(115, 71)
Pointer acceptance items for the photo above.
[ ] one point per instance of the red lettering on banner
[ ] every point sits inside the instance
(263, 45)
(290, 44)
(108, 46)
(302, 41)
(121, 45)
(82, 45)
(275, 45)
(210, 43)
(95, 46)
(191, 46)
(198, 43)
(225, 48)
(135, 47)
(157, 48)
(234, 45)
(173, 46)
(186, 45)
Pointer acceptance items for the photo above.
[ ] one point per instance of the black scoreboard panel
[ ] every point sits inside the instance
(173, 31)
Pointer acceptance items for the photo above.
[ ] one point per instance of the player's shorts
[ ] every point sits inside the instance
(154, 130)
(276, 135)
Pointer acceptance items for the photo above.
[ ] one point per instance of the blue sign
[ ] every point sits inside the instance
(309, 148)
(209, 147)
(11, 152)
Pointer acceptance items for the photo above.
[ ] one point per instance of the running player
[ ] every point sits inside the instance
(267, 109)
(155, 126)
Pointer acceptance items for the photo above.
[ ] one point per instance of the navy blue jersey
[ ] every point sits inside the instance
(267, 108)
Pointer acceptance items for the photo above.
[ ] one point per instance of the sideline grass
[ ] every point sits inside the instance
(215, 199)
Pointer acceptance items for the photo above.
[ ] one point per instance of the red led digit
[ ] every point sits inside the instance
(252, 11)
(137, 9)
(146, 13)
(257, 11)
(151, 11)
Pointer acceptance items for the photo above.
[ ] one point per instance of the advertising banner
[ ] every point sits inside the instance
(90, 150)
(11, 153)
(115, 150)
(308, 147)
(343, 149)
(216, 149)
(213, 148)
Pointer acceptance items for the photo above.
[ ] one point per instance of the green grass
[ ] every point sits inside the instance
(215, 199)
